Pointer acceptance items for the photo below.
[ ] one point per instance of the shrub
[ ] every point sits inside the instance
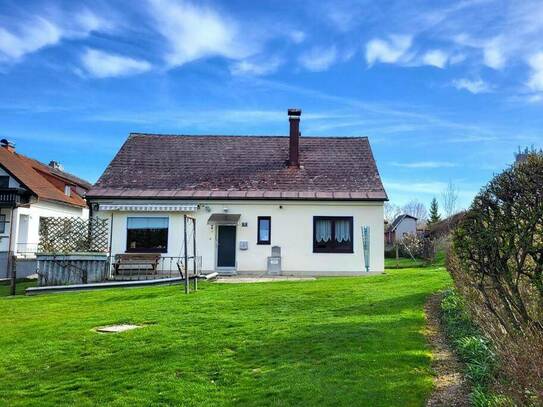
(497, 265)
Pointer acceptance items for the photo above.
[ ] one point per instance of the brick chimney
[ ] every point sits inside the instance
(294, 138)
(8, 145)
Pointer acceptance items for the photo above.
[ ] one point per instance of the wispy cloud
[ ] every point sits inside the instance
(102, 64)
(389, 51)
(256, 66)
(31, 34)
(535, 83)
(474, 86)
(430, 188)
(318, 58)
(195, 31)
(297, 36)
(425, 164)
(436, 57)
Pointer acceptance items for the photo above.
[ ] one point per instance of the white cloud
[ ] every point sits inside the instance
(425, 164)
(318, 58)
(36, 34)
(101, 64)
(416, 187)
(474, 86)
(391, 51)
(493, 54)
(435, 58)
(297, 36)
(535, 83)
(256, 67)
(32, 34)
(196, 31)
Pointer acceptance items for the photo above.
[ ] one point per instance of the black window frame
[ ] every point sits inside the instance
(333, 247)
(146, 249)
(259, 240)
(3, 223)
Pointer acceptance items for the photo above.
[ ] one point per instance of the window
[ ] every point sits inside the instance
(332, 234)
(2, 223)
(264, 230)
(4, 181)
(147, 235)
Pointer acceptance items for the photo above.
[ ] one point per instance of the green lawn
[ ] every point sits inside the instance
(334, 341)
(20, 287)
(407, 262)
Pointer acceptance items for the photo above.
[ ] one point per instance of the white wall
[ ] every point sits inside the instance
(291, 229)
(34, 212)
(406, 226)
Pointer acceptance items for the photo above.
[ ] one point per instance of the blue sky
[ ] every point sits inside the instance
(446, 91)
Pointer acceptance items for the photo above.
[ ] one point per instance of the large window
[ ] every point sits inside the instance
(2, 223)
(264, 230)
(147, 235)
(332, 234)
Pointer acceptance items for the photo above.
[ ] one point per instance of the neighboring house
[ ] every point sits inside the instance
(402, 226)
(30, 190)
(310, 196)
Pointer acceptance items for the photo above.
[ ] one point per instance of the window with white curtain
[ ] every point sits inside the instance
(147, 235)
(333, 234)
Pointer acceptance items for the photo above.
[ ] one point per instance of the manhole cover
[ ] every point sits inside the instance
(113, 329)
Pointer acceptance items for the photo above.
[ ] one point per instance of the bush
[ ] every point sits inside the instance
(497, 265)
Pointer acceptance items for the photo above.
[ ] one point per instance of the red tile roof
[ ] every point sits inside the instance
(241, 167)
(45, 182)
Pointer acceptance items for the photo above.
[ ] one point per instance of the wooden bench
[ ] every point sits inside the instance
(140, 262)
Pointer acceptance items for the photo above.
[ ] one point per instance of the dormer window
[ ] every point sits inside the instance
(68, 190)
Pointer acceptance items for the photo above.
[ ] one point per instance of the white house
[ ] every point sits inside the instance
(30, 190)
(309, 196)
(402, 226)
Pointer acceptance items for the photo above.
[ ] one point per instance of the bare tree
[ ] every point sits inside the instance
(391, 212)
(416, 209)
(449, 200)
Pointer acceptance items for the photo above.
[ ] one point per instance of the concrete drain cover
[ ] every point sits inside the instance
(114, 329)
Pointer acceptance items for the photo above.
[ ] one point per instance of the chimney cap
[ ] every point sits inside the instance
(56, 165)
(7, 144)
(295, 112)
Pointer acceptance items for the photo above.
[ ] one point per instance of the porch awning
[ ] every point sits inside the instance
(223, 219)
(149, 207)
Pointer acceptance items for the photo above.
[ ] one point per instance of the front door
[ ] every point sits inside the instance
(226, 250)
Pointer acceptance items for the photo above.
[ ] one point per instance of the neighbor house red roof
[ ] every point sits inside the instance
(241, 167)
(43, 181)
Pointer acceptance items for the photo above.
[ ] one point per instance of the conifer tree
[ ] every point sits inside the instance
(434, 212)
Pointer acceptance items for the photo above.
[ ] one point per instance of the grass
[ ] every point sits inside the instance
(333, 341)
(473, 348)
(408, 262)
(20, 287)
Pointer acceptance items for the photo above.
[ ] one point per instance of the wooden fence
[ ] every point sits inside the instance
(73, 235)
